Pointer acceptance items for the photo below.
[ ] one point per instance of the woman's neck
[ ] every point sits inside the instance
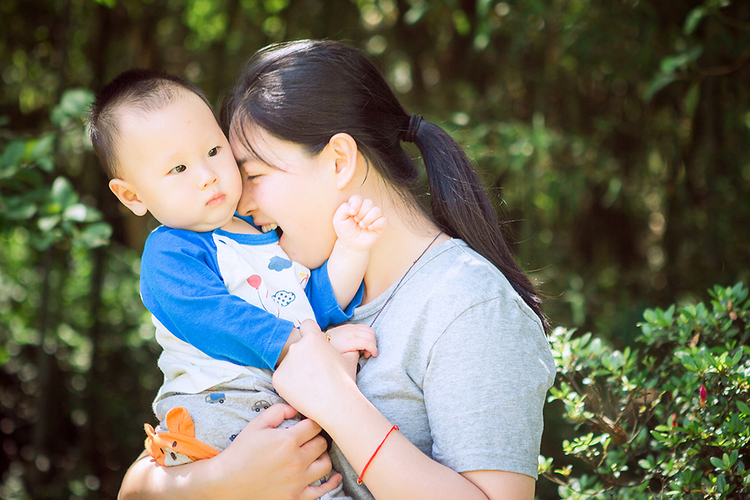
(408, 235)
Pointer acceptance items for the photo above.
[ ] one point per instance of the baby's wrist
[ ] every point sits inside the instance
(353, 250)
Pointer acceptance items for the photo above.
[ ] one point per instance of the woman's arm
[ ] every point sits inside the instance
(313, 378)
(262, 462)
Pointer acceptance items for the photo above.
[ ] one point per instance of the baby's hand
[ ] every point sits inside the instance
(359, 223)
(354, 338)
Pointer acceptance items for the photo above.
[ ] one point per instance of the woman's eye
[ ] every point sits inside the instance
(178, 169)
(213, 151)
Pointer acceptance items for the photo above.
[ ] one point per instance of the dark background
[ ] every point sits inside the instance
(613, 134)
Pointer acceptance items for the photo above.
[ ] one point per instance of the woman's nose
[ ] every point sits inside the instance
(246, 204)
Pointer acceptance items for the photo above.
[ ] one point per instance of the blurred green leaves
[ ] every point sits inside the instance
(33, 197)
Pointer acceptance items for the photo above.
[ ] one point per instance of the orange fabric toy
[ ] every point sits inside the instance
(180, 438)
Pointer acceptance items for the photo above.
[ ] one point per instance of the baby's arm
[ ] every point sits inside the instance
(358, 224)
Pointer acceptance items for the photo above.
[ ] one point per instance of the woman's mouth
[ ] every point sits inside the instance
(268, 227)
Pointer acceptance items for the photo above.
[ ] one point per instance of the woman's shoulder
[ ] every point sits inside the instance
(455, 266)
(456, 278)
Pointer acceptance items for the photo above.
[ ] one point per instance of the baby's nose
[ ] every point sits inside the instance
(208, 177)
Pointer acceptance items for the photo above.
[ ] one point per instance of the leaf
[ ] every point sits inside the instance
(413, 15)
(62, 193)
(95, 235)
(11, 158)
(21, 209)
(72, 106)
(76, 213)
(40, 148)
(48, 222)
(679, 61)
(693, 19)
(461, 22)
(744, 408)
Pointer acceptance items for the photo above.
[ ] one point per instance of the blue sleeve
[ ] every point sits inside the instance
(323, 301)
(181, 286)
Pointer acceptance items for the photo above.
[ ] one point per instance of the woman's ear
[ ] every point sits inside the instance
(345, 154)
(127, 196)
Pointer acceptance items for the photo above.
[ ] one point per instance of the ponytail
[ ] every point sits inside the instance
(459, 205)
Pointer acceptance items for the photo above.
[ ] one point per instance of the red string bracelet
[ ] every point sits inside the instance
(359, 479)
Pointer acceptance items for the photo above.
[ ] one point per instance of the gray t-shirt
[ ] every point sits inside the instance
(463, 366)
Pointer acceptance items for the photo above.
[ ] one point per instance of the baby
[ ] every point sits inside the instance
(225, 299)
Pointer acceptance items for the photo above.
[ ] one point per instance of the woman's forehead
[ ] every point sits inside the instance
(248, 143)
(252, 145)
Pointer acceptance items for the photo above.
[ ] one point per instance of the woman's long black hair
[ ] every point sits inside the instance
(307, 91)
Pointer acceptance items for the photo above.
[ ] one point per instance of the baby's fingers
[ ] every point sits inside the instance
(354, 204)
(374, 222)
(342, 213)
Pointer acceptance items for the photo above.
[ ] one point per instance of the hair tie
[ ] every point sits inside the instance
(411, 130)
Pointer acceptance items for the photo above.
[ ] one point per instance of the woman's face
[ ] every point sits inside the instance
(284, 185)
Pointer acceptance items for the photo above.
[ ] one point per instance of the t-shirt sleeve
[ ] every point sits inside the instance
(323, 301)
(181, 287)
(484, 389)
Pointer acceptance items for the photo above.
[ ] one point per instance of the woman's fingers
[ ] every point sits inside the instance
(314, 492)
(274, 416)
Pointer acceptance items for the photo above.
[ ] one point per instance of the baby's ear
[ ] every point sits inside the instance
(127, 196)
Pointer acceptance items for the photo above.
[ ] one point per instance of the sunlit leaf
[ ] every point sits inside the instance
(95, 235)
(693, 19)
(62, 193)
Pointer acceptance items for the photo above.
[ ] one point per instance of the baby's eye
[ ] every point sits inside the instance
(178, 169)
(213, 151)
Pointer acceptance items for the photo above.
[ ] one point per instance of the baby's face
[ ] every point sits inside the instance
(179, 163)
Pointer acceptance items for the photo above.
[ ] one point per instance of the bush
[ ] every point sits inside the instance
(669, 419)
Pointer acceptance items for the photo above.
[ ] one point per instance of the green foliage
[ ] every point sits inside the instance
(71, 321)
(669, 419)
(50, 212)
(613, 134)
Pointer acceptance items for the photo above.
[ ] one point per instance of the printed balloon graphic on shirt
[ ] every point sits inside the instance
(255, 281)
(283, 298)
(279, 264)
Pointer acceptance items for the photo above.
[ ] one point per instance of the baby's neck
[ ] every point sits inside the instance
(239, 226)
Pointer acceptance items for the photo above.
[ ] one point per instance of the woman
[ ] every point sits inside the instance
(452, 406)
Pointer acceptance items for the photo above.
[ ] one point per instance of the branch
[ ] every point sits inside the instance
(729, 68)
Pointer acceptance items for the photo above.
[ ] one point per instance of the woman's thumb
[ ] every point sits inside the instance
(309, 327)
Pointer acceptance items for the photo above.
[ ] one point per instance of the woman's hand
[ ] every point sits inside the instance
(279, 462)
(314, 377)
(262, 462)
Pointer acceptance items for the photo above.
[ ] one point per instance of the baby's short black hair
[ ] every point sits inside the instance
(141, 89)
